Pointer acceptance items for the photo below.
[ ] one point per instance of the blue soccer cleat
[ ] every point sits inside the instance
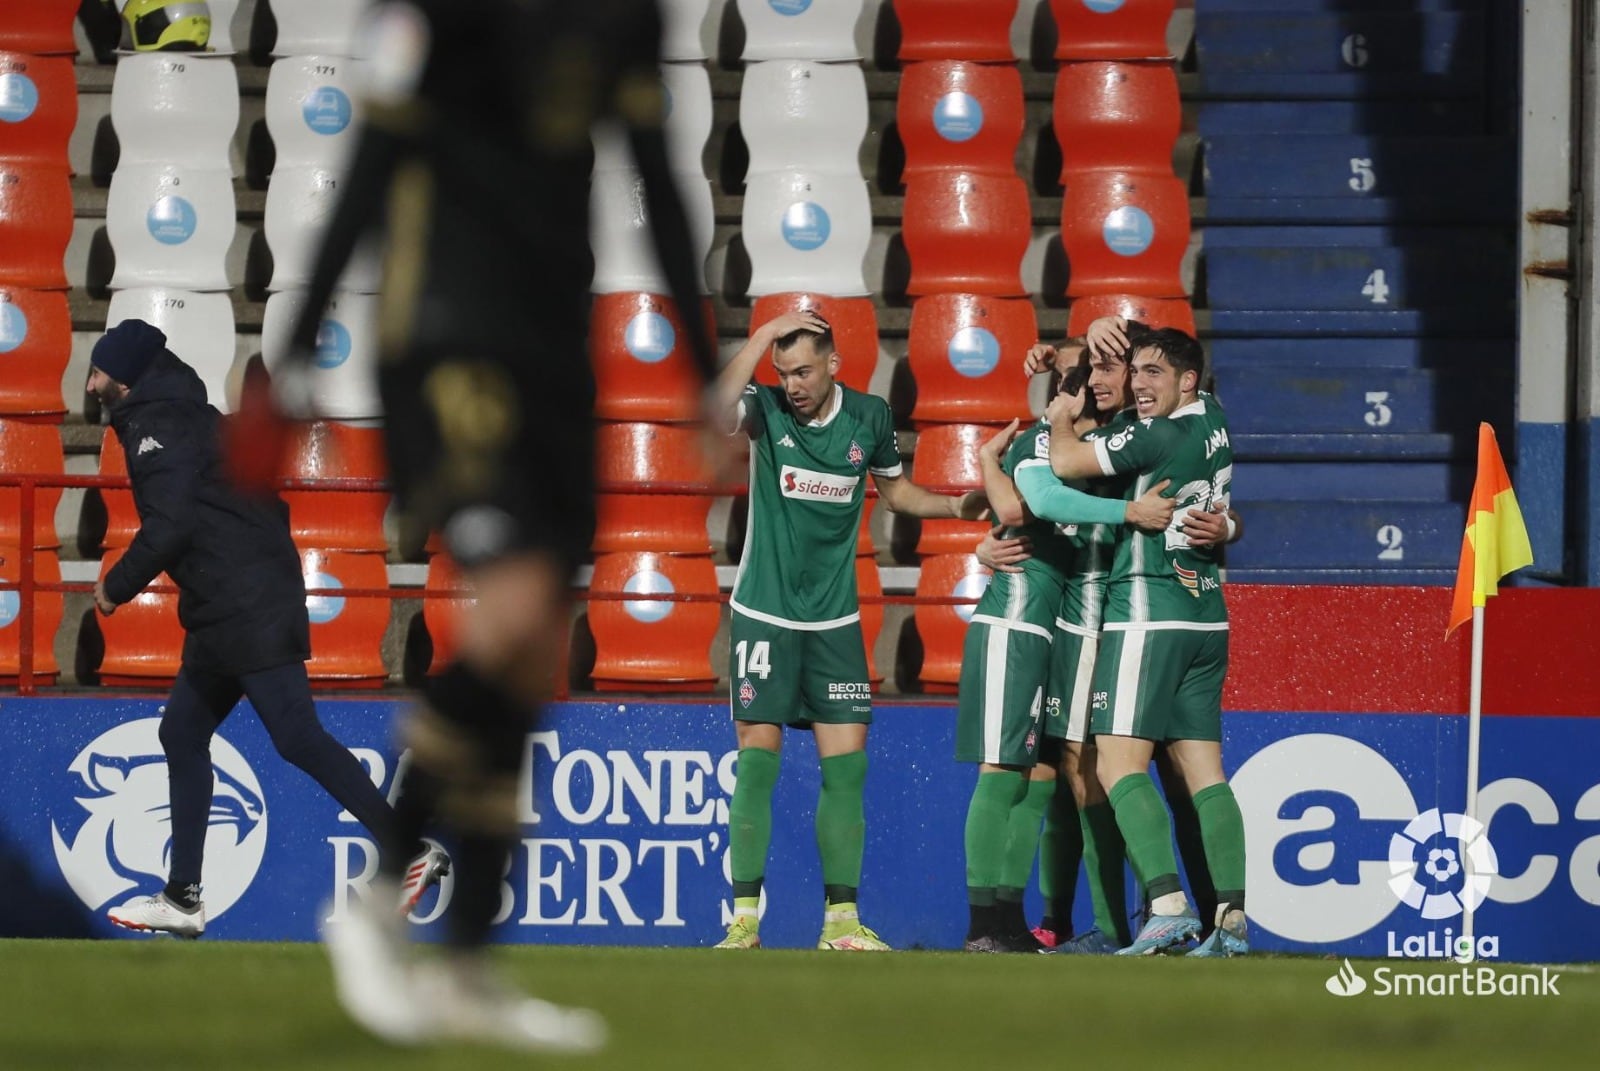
(1163, 932)
(1093, 942)
(1223, 943)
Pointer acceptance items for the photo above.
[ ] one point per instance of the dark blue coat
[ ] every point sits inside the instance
(242, 599)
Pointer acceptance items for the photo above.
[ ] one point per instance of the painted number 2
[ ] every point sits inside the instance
(1390, 538)
(758, 655)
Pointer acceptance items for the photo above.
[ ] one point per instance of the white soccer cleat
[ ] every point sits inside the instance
(372, 971)
(157, 914)
(425, 870)
(464, 999)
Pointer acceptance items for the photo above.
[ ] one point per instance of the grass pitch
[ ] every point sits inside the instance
(159, 1004)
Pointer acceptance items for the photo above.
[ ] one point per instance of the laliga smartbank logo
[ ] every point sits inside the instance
(1434, 846)
(1465, 980)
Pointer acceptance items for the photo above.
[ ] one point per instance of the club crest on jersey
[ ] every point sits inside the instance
(1188, 578)
(747, 692)
(855, 455)
(1033, 738)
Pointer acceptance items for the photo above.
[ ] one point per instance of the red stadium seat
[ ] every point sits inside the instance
(966, 231)
(947, 459)
(966, 354)
(47, 613)
(956, 29)
(1111, 29)
(38, 107)
(943, 628)
(122, 517)
(30, 449)
(338, 520)
(1152, 312)
(653, 645)
(346, 631)
(35, 224)
(642, 367)
(953, 113)
(1116, 115)
(143, 639)
(35, 345)
(42, 27)
(868, 582)
(1125, 233)
(443, 618)
(855, 332)
(643, 454)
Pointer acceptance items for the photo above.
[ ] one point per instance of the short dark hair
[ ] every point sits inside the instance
(1181, 349)
(823, 341)
(1075, 380)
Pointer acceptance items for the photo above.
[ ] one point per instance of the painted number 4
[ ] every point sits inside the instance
(758, 664)
(1390, 538)
(1377, 288)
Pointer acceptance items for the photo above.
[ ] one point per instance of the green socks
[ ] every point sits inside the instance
(988, 816)
(1192, 849)
(1060, 853)
(750, 819)
(1222, 826)
(1148, 832)
(1103, 855)
(1022, 837)
(841, 824)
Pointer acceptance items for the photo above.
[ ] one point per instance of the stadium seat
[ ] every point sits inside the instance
(311, 111)
(346, 631)
(48, 609)
(642, 367)
(1333, 178)
(35, 224)
(870, 585)
(800, 29)
(799, 115)
(1116, 115)
(28, 448)
(170, 225)
(1111, 29)
(639, 455)
(345, 386)
(807, 231)
(1124, 233)
(688, 88)
(300, 201)
(441, 615)
(338, 520)
(855, 332)
(942, 628)
(40, 27)
(222, 16)
(619, 228)
(946, 459)
(175, 108)
(966, 232)
(199, 329)
(966, 354)
(683, 29)
(122, 517)
(956, 30)
(143, 639)
(1153, 312)
(317, 27)
(653, 645)
(35, 345)
(38, 108)
(958, 114)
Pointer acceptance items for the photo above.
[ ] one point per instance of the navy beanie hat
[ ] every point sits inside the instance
(127, 350)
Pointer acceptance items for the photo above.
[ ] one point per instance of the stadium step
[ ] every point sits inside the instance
(1341, 481)
(1383, 403)
(1376, 536)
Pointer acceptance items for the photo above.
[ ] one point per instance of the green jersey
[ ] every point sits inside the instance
(1094, 547)
(1158, 578)
(807, 489)
(1031, 597)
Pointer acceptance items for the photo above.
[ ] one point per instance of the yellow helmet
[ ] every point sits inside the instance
(168, 25)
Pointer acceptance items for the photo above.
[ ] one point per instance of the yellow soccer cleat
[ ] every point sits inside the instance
(857, 939)
(742, 934)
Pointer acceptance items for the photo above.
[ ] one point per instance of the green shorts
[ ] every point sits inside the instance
(1066, 696)
(1000, 711)
(1160, 684)
(790, 676)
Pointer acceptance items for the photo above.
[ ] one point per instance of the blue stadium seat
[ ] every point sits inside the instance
(1329, 534)
(1326, 178)
(1345, 54)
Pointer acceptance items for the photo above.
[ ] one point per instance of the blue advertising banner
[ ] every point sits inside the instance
(1355, 845)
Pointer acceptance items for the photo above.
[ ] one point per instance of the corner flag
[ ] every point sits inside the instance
(1496, 541)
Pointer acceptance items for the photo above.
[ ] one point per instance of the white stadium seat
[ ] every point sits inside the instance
(222, 16)
(688, 114)
(177, 108)
(807, 231)
(170, 225)
(199, 329)
(345, 385)
(300, 202)
(311, 110)
(619, 229)
(797, 114)
(683, 29)
(317, 27)
(800, 29)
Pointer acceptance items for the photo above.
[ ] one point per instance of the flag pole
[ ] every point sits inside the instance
(1474, 727)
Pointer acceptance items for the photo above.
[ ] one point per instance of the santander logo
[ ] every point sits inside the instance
(815, 486)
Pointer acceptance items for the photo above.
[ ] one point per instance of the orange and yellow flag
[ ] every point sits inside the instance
(1496, 540)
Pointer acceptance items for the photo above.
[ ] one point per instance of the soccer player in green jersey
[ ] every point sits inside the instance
(1007, 660)
(1164, 648)
(796, 655)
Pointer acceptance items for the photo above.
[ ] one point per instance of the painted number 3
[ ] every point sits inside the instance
(758, 654)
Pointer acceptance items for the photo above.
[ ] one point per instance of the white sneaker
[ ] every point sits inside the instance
(157, 914)
(372, 971)
(466, 1000)
(424, 870)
